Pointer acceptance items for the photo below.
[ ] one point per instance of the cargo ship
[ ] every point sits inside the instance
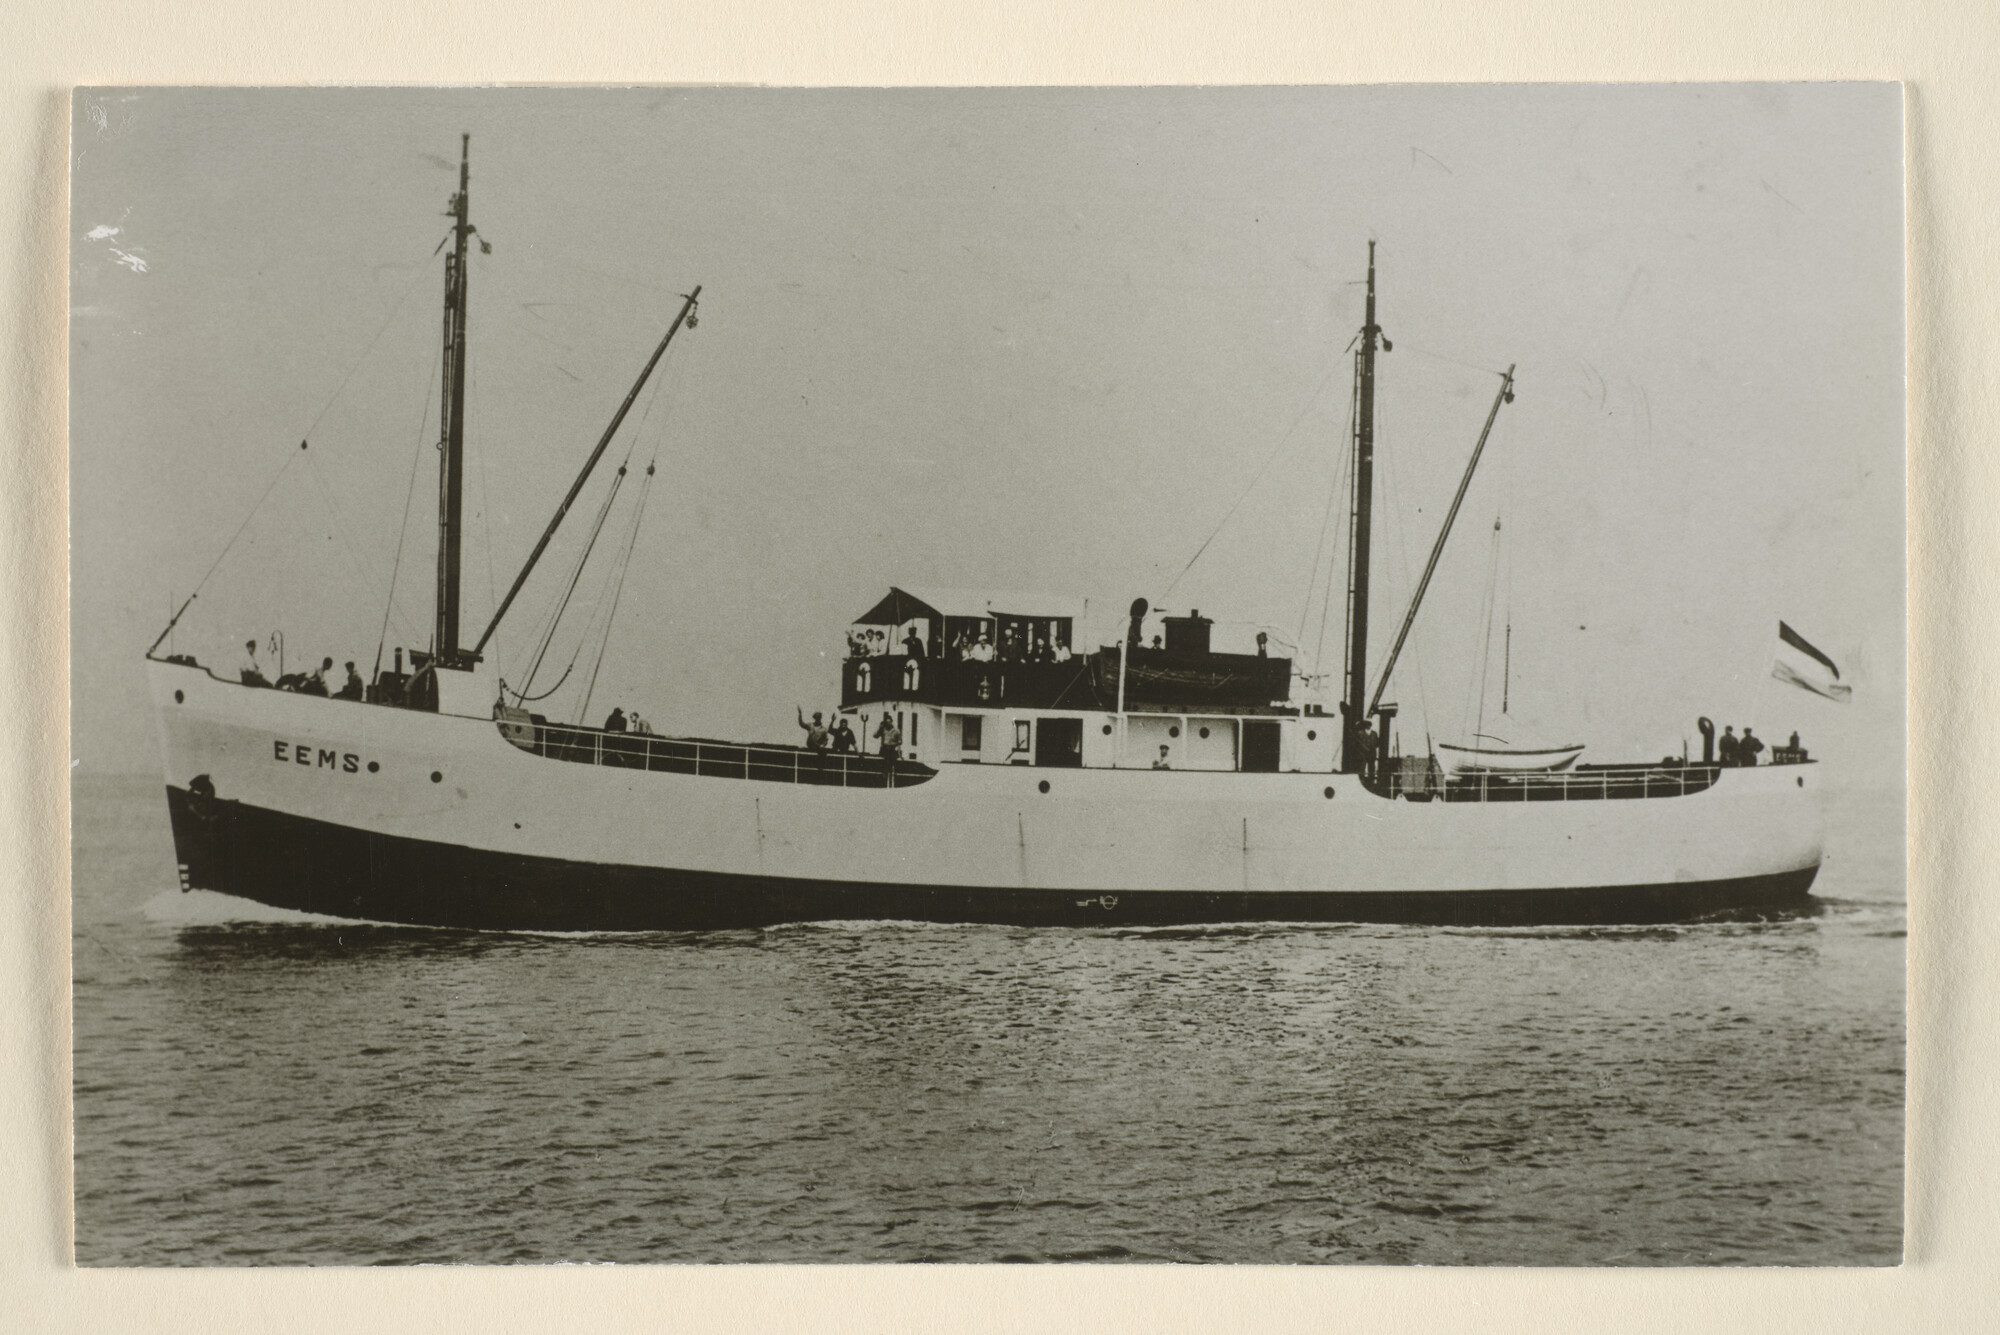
(1000, 772)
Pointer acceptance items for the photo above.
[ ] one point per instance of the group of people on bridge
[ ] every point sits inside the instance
(1022, 647)
(968, 646)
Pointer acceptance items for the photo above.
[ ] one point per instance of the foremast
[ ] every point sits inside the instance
(1354, 747)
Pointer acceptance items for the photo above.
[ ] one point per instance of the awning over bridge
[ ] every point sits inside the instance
(903, 605)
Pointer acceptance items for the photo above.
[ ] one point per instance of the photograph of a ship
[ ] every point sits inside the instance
(1293, 574)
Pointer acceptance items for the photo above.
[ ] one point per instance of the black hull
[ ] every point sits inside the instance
(293, 862)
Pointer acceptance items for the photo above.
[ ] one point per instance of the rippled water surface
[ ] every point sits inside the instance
(254, 1090)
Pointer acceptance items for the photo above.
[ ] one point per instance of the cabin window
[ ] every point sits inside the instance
(1021, 734)
(910, 675)
(862, 674)
(914, 716)
(972, 728)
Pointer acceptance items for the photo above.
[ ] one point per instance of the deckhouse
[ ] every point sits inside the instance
(997, 679)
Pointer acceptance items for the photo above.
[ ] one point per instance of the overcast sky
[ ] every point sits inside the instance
(1013, 339)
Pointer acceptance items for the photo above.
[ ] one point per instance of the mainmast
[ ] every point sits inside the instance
(451, 423)
(1353, 750)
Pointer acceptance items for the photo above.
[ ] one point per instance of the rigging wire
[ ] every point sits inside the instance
(402, 533)
(521, 699)
(596, 627)
(1335, 490)
(317, 419)
(596, 528)
(422, 270)
(617, 591)
(357, 561)
(1390, 485)
(485, 511)
(1346, 486)
(1256, 478)
(545, 625)
(583, 558)
(1496, 607)
(203, 581)
(546, 628)
(615, 578)
(1486, 629)
(1408, 346)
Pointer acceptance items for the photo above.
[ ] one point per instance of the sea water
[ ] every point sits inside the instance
(255, 1087)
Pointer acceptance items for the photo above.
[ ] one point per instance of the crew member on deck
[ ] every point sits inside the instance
(1747, 750)
(1729, 749)
(352, 690)
(816, 733)
(891, 737)
(1060, 653)
(843, 738)
(615, 720)
(1161, 763)
(253, 675)
(913, 644)
(981, 652)
(315, 682)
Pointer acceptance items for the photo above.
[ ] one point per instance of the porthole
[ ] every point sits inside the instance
(1802, 780)
(1107, 730)
(374, 766)
(1311, 735)
(1204, 732)
(1329, 790)
(1174, 731)
(179, 698)
(1043, 785)
(436, 777)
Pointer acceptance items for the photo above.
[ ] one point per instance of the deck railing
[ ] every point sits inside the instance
(1610, 783)
(717, 760)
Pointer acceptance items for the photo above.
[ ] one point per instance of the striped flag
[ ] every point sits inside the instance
(1807, 668)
